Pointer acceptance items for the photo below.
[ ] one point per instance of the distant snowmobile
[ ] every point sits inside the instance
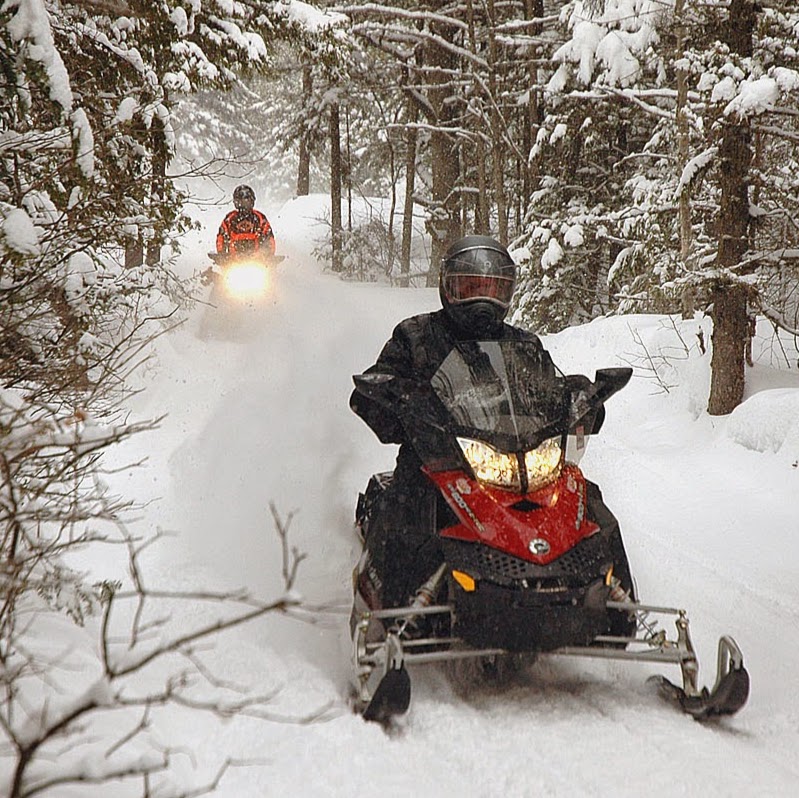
(532, 561)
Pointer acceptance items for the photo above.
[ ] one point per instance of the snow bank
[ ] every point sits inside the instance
(768, 422)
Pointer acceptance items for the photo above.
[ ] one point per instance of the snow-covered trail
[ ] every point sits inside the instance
(265, 419)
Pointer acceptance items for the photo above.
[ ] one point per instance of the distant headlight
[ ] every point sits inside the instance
(541, 465)
(246, 280)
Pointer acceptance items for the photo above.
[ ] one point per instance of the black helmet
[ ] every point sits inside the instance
(244, 198)
(476, 282)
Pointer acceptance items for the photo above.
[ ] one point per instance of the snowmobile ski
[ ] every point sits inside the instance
(384, 689)
(392, 697)
(728, 695)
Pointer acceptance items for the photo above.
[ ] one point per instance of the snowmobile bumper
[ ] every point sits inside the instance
(377, 661)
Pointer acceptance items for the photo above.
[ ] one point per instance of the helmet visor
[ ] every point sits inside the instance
(466, 287)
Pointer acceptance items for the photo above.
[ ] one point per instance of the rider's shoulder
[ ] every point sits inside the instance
(417, 325)
(520, 334)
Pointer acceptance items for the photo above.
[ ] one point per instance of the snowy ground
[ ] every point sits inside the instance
(707, 507)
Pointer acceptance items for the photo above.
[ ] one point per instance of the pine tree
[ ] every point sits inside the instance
(664, 158)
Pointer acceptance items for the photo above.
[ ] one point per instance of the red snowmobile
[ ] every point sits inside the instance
(531, 560)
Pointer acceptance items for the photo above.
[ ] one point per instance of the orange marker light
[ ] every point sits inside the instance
(465, 581)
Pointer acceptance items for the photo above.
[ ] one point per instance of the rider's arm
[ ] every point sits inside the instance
(223, 237)
(394, 359)
(266, 238)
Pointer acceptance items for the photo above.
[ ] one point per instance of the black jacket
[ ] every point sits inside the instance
(415, 350)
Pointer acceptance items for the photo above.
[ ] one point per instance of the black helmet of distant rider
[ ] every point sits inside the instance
(476, 283)
(243, 199)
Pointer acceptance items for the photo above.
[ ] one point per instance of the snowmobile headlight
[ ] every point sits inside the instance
(490, 465)
(246, 280)
(540, 465)
(543, 464)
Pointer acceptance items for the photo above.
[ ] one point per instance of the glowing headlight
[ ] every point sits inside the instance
(246, 280)
(490, 465)
(541, 465)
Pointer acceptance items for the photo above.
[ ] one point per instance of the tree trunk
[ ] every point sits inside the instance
(407, 206)
(160, 160)
(347, 164)
(498, 145)
(444, 222)
(304, 166)
(134, 254)
(730, 332)
(482, 207)
(532, 110)
(730, 327)
(335, 188)
(474, 157)
(683, 151)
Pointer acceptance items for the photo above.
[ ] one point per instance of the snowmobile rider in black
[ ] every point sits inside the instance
(477, 280)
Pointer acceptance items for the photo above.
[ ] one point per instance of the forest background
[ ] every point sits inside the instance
(637, 157)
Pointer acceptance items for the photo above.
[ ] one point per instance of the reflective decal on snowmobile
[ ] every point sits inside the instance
(460, 502)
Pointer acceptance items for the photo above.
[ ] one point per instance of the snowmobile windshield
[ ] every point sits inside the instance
(505, 392)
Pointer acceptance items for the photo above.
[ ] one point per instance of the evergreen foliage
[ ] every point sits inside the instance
(87, 92)
(610, 162)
